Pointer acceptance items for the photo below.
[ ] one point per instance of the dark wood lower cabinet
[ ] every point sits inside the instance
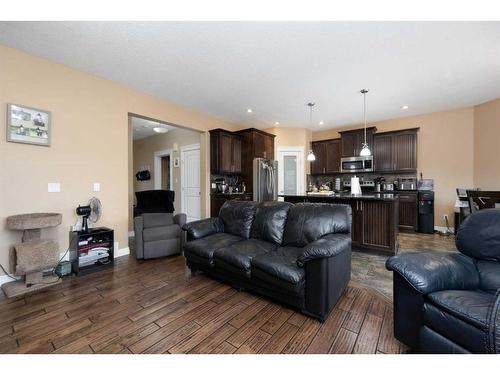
(408, 211)
(374, 222)
(217, 200)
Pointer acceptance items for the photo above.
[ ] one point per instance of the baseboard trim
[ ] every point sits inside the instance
(122, 252)
(119, 253)
(131, 233)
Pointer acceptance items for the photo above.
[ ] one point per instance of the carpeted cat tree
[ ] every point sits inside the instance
(30, 258)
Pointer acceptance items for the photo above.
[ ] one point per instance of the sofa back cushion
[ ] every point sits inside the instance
(479, 235)
(237, 217)
(157, 220)
(489, 275)
(154, 201)
(308, 222)
(269, 222)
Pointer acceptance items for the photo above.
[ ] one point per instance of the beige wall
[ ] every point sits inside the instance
(445, 152)
(90, 143)
(144, 150)
(487, 145)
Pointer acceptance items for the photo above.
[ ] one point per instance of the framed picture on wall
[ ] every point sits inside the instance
(177, 162)
(28, 125)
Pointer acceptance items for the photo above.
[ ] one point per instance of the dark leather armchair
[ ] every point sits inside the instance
(447, 302)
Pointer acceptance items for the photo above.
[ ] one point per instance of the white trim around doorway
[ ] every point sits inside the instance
(182, 149)
(157, 171)
(301, 172)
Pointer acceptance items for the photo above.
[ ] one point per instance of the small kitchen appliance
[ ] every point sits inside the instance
(356, 164)
(407, 183)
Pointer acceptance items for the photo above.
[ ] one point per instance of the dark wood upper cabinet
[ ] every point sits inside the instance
(396, 151)
(333, 155)
(327, 156)
(225, 152)
(382, 152)
(255, 143)
(236, 153)
(318, 166)
(352, 140)
(405, 151)
(349, 144)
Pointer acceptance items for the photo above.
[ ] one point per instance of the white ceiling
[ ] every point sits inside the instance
(275, 68)
(143, 128)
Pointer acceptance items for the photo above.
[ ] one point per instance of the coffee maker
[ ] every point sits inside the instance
(220, 185)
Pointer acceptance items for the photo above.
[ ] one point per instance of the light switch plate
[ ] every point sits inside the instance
(97, 186)
(54, 187)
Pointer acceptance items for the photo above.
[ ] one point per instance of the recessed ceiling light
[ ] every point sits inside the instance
(249, 110)
(276, 123)
(160, 129)
(322, 122)
(405, 107)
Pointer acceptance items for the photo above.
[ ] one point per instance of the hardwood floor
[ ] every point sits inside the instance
(156, 306)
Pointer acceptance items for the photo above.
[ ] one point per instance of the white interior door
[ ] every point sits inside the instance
(190, 182)
(291, 170)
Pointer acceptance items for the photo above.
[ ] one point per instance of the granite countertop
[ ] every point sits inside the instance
(228, 194)
(345, 196)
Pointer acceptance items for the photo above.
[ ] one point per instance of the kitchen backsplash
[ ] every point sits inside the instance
(329, 180)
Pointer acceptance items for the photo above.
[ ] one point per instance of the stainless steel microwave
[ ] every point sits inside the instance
(356, 164)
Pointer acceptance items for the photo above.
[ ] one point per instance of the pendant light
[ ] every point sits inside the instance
(310, 155)
(365, 150)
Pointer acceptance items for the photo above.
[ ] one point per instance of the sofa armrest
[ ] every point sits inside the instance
(327, 246)
(432, 272)
(202, 228)
(180, 219)
(492, 340)
(139, 245)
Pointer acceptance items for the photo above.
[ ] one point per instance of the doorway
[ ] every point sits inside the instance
(291, 171)
(163, 170)
(155, 150)
(190, 182)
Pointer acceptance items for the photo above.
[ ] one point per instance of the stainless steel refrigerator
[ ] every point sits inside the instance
(265, 180)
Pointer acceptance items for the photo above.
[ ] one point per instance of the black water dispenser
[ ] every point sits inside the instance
(425, 212)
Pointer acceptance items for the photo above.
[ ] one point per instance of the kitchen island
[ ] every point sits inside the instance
(374, 218)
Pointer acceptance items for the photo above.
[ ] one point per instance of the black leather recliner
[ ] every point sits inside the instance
(297, 254)
(446, 303)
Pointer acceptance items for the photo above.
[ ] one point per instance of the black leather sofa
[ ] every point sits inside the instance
(297, 254)
(446, 302)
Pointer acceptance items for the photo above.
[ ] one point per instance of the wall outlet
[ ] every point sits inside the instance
(445, 217)
(54, 187)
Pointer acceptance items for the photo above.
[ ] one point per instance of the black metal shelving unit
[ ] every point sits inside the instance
(83, 242)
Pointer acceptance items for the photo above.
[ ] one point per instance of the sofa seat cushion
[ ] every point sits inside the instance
(279, 268)
(206, 246)
(471, 306)
(161, 233)
(240, 254)
(454, 329)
